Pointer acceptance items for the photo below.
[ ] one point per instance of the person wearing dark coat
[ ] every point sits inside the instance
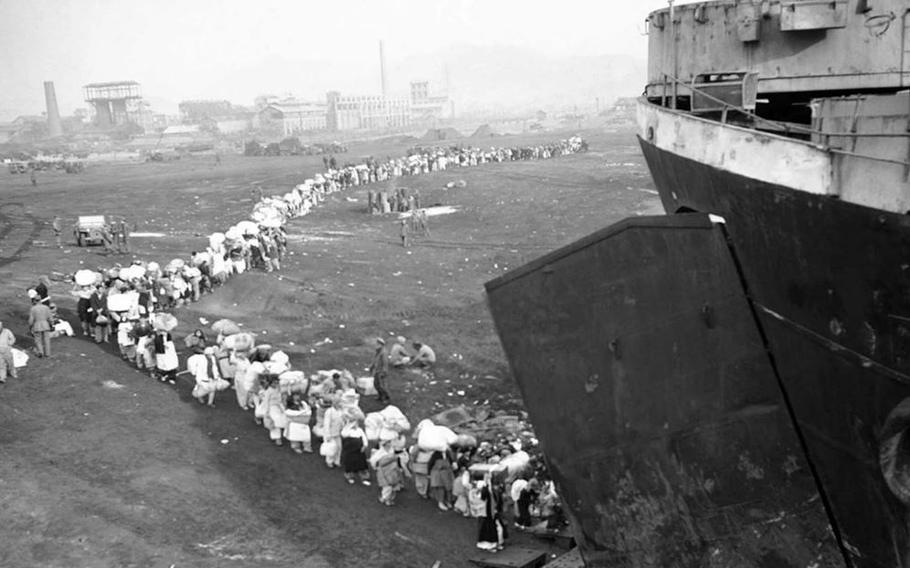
(491, 532)
(354, 445)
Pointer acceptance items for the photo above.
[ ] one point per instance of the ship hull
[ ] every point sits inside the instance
(830, 284)
(657, 407)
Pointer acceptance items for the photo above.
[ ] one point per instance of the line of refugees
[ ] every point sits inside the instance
(423, 160)
(322, 413)
(127, 305)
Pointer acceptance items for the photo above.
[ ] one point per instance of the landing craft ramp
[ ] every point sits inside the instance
(656, 403)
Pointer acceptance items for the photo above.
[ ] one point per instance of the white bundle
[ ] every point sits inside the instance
(395, 419)
(275, 367)
(373, 424)
(123, 302)
(435, 438)
(293, 381)
(516, 463)
(84, 277)
(20, 358)
(239, 341)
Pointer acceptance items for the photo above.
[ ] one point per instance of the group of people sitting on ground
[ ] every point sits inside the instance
(399, 356)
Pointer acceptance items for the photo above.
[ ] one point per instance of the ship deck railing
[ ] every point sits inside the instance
(779, 126)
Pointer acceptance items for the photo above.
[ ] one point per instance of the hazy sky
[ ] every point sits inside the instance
(185, 49)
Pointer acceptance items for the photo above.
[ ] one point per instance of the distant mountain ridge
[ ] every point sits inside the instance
(513, 79)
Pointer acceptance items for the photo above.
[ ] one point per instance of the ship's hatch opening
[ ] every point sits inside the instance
(894, 452)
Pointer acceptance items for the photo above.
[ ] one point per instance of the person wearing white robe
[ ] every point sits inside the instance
(244, 378)
(333, 421)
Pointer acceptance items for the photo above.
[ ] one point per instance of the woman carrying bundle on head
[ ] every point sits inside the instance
(298, 413)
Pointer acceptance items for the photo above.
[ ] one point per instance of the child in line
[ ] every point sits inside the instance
(389, 472)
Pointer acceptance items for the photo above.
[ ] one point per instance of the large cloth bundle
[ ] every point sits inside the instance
(248, 228)
(164, 322)
(233, 235)
(123, 302)
(239, 341)
(350, 399)
(516, 463)
(395, 419)
(216, 240)
(293, 381)
(84, 277)
(276, 367)
(225, 327)
(435, 438)
(373, 423)
(20, 358)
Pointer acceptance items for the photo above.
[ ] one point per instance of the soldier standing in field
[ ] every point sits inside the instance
(404, 233)
(58, 229)
(123, 237)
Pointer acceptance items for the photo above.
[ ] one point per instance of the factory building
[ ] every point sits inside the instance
(293, 117)
(369, 112)
(427, 107)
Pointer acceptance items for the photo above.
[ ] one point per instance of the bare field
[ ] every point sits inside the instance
(140, 476)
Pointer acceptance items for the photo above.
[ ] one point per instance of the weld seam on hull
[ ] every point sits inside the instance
(837, 348)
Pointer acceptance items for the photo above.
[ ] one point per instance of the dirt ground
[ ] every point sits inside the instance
(141, 475)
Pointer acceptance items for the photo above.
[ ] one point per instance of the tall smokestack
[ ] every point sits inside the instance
(54, 127)
(385, 93)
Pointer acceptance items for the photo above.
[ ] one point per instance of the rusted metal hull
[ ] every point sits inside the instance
(829, 281)
(658, 409)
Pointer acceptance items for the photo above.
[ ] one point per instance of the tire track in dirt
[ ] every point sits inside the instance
(19, 230)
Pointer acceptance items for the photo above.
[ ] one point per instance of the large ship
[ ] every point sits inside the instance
(729, 384)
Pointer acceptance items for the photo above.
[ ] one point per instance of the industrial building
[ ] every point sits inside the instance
(427, 107)
(293, 117)
(113, 103)
(368, 112)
